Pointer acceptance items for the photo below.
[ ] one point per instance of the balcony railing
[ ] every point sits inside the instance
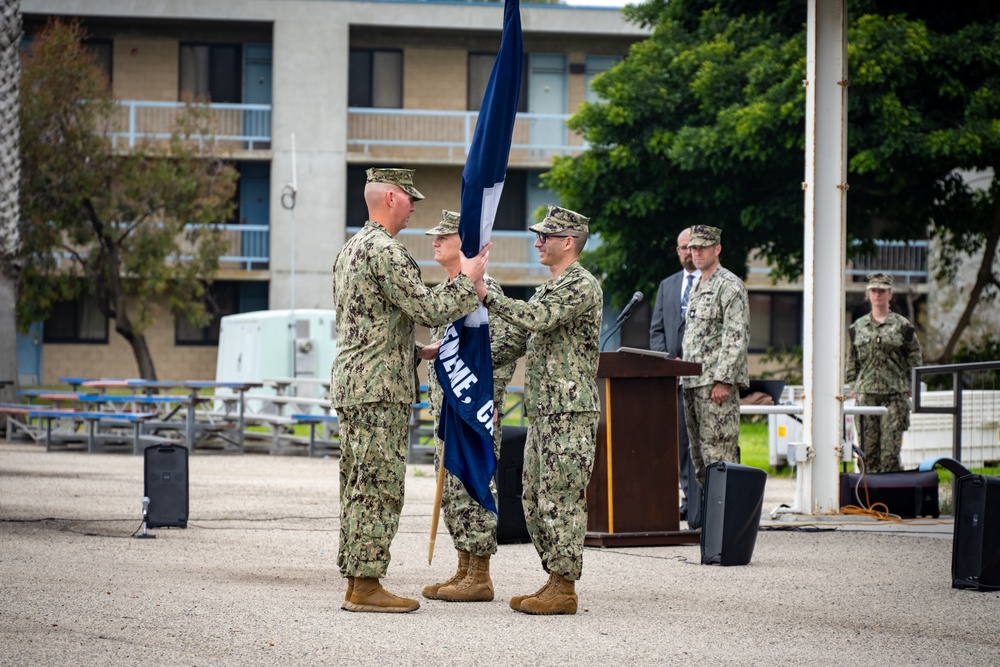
(241, 126)
(905, 261)
(248, 247)
(446, 135)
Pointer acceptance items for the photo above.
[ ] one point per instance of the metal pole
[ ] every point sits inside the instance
(824, 253)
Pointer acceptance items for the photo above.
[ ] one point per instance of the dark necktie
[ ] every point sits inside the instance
(686, 296)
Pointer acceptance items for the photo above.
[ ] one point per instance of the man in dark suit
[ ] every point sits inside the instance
(666, 331)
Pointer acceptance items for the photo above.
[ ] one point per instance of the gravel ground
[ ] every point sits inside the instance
(253, 581)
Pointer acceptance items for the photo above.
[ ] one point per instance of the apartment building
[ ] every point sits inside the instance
(306, 95)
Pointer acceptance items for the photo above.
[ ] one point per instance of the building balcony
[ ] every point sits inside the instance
(444, 137)
(239, 129)
(905, 261)
(248, 248)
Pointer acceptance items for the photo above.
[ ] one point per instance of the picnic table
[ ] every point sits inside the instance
(188, 413)
(290, 386)
(60, 427)
(233, 413)
(276, 413)
(324, 442)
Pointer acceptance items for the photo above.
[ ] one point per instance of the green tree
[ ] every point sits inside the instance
(10, 36)
(704, 123)
(133, 228)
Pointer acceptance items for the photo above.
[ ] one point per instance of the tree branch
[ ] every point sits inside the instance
(984, 278)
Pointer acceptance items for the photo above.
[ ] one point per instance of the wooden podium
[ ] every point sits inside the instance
(632, 499)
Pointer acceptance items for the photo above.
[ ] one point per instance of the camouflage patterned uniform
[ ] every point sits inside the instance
(378, 294)
(879, 362)
(717, 336)
(559, 331)
(473, 529)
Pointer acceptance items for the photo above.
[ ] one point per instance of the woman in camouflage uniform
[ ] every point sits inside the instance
(883, 350)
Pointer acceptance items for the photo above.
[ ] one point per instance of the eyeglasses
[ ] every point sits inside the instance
(542, 238)
(683, 248)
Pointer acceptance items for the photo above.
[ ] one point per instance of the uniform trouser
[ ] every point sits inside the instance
(473, 529)
(684, 466)
(373, 441)
(558, 461)
(713, 430)
(882, 436)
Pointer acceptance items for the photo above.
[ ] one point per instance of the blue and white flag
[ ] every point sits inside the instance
(464, 367)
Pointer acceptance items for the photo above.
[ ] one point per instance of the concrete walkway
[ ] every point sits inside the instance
(253, 581)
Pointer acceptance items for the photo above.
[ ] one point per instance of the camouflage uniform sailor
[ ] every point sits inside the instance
(473, 529)
(883, 350)
(378, 295)
(558, 330)
(717, 336)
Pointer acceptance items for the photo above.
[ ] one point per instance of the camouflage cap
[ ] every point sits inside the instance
(448, 225)
(401, 177)
(879, 281)
(559, 219)
(703, 235)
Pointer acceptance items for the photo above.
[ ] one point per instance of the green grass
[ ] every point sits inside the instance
(754, 451)
(754, 447)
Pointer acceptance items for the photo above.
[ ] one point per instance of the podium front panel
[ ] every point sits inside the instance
(634, 485)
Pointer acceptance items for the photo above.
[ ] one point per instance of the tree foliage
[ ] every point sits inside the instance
(134, 228)
(704, 123)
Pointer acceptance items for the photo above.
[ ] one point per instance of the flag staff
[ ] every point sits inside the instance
(438, 492)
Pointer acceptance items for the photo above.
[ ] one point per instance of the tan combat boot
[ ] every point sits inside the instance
(515, 602)
(475, 587)
(368, 595)
(558, 598)
(431, 590)
(347, 594)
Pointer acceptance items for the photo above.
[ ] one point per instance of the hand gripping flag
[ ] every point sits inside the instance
(464, 367)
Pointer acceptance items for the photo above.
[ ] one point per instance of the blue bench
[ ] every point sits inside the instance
(329, 423)
(94, 420)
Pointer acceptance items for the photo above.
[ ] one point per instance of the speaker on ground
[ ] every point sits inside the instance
(166, 485)
(908, 493)
(733, 499)
(511, 527)
(975, 556)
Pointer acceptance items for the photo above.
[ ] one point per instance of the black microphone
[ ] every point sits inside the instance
(625, 314)
(627, 311)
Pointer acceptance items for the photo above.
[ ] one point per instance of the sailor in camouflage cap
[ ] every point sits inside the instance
(558, 332)
(379, 296)
(448, 225)
(473, 529)
(717, 336)
(879, 281)
(560, 219)
(401, 177)
(882, 353)
(703, 235)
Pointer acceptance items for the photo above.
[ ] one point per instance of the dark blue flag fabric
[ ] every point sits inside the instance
(464, 368)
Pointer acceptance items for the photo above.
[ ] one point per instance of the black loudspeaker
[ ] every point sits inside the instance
(975, 556)
(166, 485)
(511, 528)
(908, 493)
(733, 499)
